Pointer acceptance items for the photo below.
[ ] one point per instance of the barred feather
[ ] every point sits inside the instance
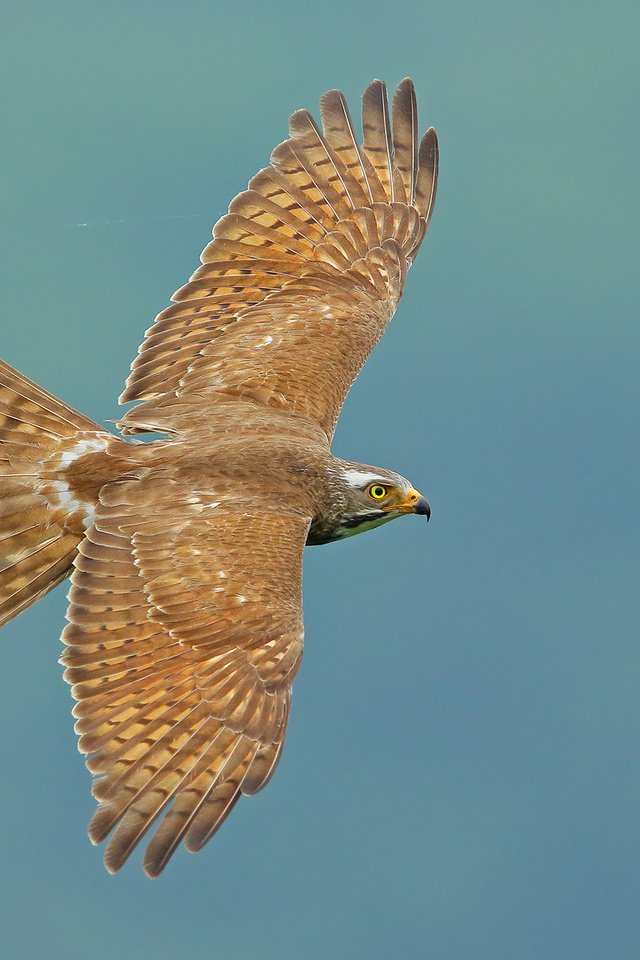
(378, 143)
(322, 206)
(182, 703)
(338, 129)
(405, 137)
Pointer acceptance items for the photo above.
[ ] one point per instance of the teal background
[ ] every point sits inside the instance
(461, 778)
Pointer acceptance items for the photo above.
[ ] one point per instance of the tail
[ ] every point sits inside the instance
(41, 521)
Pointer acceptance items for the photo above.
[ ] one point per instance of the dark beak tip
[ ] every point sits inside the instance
(423, 508)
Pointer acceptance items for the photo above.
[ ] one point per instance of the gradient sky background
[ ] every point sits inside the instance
(461, 777)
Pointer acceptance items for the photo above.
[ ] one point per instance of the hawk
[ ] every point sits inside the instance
(185, 624)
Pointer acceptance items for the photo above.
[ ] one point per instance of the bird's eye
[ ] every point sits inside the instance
(377, 491)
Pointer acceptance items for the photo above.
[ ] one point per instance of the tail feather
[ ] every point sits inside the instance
(40, 527)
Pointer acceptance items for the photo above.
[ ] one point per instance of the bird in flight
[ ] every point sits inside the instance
(185, 624)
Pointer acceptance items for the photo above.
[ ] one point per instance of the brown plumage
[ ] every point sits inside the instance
(185, 620)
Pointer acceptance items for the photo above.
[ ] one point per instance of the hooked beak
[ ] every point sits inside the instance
(414, 503)
(423, 508)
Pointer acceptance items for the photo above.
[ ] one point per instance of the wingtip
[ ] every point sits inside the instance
(427, 182)
(300, 123)
(430, 146)
(333, 92)
(373, 89)
(152, 870)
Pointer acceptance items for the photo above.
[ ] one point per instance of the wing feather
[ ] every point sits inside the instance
(338, 129)
(405, 137)
(306, 241)
(427, 181)
(378, 143)
(303, 127)
(183, 687)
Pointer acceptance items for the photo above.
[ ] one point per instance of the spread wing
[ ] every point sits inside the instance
(184, 635)
(302, 275)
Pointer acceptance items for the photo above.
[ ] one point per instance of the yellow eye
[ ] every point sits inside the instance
(377, 491)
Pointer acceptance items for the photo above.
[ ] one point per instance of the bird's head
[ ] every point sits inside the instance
(366, 497)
